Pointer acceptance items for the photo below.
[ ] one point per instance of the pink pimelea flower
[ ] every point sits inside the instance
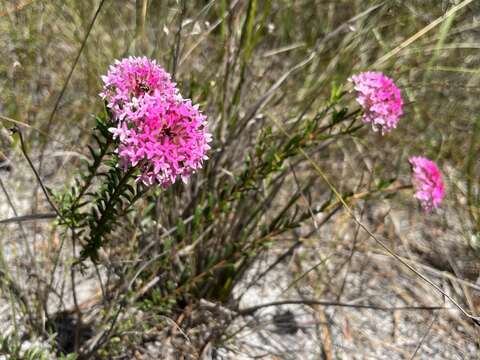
(159, 132)
(380, 99)
(429, 188)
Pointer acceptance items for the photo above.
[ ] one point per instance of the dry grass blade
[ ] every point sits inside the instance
(205, 34)
(422, 32)
(422, 340)
(37, 176)
(253, 309)
(74, 65)
(33, 217)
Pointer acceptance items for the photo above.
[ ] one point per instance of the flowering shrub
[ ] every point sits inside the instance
(380, 99)
(428, 182)
(159, 131)
(132, 248)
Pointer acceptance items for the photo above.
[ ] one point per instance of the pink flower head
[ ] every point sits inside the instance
(159, 132)
(380, 99)
(132, 78)
(427, 180)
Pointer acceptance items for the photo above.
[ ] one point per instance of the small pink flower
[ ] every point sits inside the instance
(429, 188)
(380, 99)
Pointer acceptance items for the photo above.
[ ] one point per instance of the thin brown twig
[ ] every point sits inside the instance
(251, 310)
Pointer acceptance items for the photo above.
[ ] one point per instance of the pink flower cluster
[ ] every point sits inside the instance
(380, 99)
(161, 133)
(429, 188)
